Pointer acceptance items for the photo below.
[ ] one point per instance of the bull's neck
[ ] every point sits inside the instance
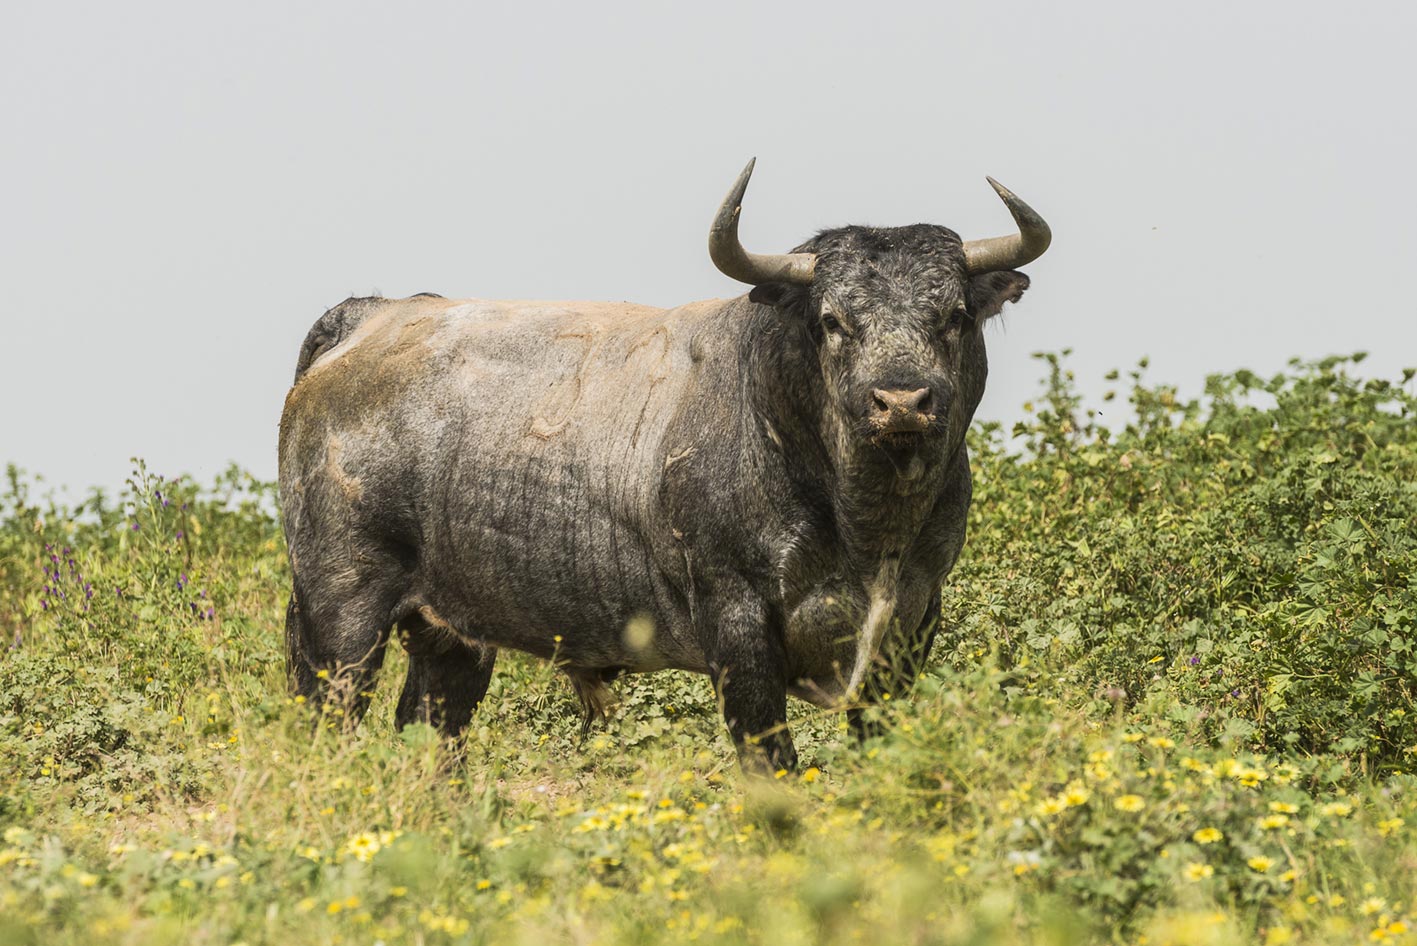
(874, 503)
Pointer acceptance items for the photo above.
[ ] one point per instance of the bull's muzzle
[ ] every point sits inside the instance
(897, 412)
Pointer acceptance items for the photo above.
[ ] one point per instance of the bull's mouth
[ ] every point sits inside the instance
(901, 430)
(899, 439)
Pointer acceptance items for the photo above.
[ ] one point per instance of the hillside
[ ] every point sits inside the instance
(1173, 703)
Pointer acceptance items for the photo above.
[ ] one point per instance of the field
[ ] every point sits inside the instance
(1173, 703)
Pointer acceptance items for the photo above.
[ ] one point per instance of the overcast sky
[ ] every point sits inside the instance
(185, 187)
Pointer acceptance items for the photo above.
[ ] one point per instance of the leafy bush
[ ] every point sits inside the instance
(1251, 555)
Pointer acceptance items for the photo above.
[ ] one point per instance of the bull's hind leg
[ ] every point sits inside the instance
(336, 635)
(446, 680)
(303, 682)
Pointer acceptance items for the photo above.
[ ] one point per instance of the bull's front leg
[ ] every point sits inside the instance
(749, 670)
(897, 672)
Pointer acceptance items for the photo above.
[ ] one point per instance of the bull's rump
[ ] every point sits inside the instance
(517, 449)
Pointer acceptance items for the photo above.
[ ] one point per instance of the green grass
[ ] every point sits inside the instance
(1173, 704)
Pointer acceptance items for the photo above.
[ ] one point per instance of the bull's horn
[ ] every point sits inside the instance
(732, 260)
(1009, 252)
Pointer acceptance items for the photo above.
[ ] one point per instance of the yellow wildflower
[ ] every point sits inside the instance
(1390, 826)
(1283, 808)
(1372, 905)
(1129, 803)
(363, 847)
(1260, 863)
(1051, 806)
(1196, 872)
(1273, 822)
(1075, 795)
(1207, 836)
(1336, 809)
(1251, 778)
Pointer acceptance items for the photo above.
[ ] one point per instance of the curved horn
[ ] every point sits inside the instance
(752, 268)
(1009, 252)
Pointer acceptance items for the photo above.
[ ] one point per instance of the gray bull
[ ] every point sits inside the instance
(768, 489)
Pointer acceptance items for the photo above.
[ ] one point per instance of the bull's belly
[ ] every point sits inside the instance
(588, 611)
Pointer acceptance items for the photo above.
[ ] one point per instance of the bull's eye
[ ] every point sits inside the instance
(830, 323)
(957, 318)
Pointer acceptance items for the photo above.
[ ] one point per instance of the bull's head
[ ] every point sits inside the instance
(894, 315)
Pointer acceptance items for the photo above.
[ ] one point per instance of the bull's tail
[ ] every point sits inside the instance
(337, 324)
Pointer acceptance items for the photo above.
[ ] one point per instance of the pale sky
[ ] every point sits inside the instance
(185, 187)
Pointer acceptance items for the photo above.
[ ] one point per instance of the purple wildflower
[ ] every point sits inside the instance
(1195, 660)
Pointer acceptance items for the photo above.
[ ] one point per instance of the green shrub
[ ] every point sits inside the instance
(1251, 555)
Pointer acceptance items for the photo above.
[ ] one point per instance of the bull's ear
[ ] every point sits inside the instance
(989, 291)
(779, 295)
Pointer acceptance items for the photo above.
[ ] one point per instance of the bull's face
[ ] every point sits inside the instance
(896, 322)
(894, 317)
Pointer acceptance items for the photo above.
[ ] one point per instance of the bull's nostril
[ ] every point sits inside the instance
(905, 402)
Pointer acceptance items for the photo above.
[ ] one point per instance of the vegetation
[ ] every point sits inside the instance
(1173, 703)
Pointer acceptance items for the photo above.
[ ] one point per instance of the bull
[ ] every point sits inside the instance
(769, 489)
